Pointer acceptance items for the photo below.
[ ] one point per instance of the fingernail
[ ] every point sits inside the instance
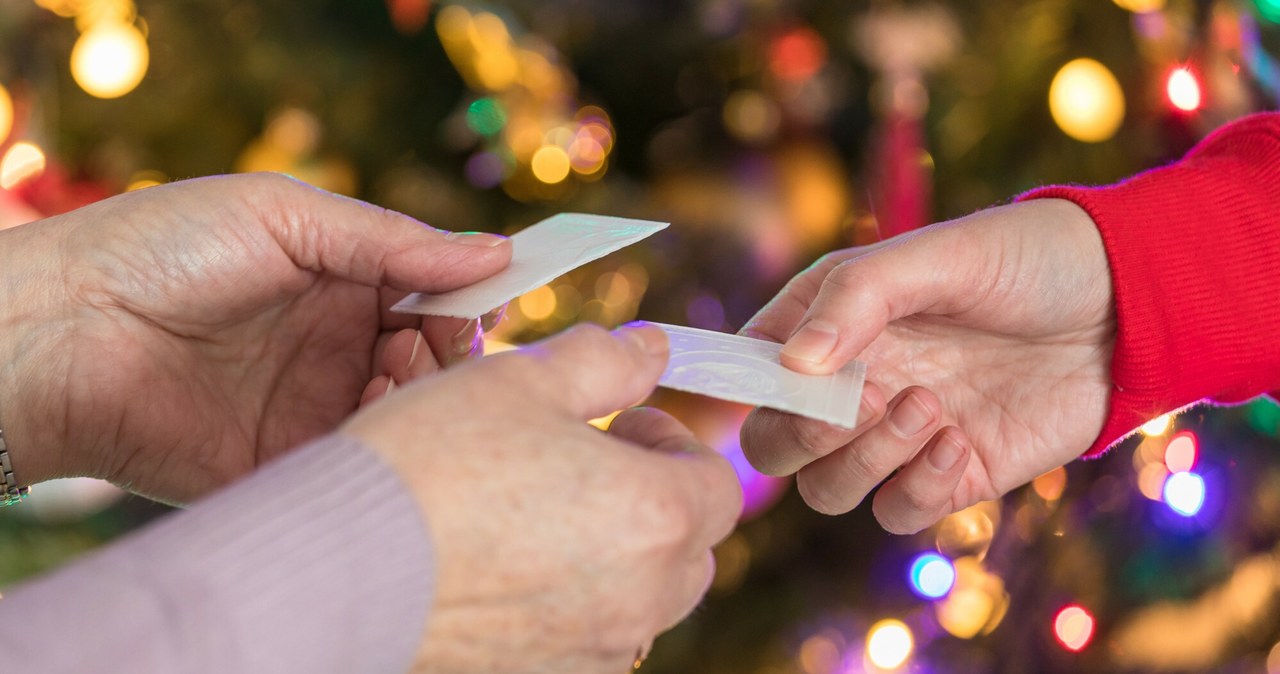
(865, 413)
(418, 343)
(910, 416)
(813, 343)
(654, 342)
(481, 239)
(465, 341)
(391, 386)
(946, 454)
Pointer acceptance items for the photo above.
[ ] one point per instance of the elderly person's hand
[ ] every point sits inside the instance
(559, 548)
(990, 337)
(174, 338)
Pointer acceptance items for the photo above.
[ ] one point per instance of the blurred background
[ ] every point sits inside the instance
(767, 132)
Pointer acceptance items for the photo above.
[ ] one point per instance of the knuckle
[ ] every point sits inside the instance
(814, 439)
(663, 520)
(819, 497)
(845, 276)
(865, 466)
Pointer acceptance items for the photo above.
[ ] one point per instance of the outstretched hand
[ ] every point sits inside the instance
(173, 339)
(988, 342)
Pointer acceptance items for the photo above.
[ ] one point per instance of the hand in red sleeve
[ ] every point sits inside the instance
(989, 336)
(174, 338)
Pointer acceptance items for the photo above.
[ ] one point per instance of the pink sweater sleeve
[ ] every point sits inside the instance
(319, 562)
(1194, 250)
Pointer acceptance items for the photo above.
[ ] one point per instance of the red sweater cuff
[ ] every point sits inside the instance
(1194, 250)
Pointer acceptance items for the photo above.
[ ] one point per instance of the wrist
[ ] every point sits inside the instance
(30, 329)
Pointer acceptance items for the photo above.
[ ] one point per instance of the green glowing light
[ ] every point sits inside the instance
(486, 117)
(1269, 9)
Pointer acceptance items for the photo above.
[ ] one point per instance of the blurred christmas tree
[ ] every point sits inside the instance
(768, 132)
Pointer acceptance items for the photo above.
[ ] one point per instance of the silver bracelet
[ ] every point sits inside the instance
(10, 492)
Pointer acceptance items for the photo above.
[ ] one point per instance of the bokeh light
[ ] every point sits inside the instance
(1157, 426)
(485, 170)
(1151, 480)
(110, 59)
(1181, 453)
(932, 575)
(976, 604)
(6, 114)
(1269, 9)
(1050, 485)
(751, 116)
(1184, 493)
(1141, 6)
(1086, 101)
(889, 644)
(1184, 90)
(1073, 626)
(820, 654)
(485, 116)
(538, 304)
(22, 162)
(797, 55)
(968, 533)
(551, 164)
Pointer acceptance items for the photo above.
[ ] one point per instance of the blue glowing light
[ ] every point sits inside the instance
(932, 575)
(1184, 493)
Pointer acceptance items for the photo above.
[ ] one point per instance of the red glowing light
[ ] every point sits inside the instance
(797, 54)
(1073, 627)
(1183, 90)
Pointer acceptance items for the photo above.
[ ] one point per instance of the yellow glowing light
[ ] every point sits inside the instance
(586, 154)
(538, 304)
(110, 59)
(6, 114)
(965, 612)
(453, 23)
(551, 164)
(1050, 485)
(966, 533)
(22, 162)
(603, 423)
(489, 32)
(294, 131)
(977, 602)
(733, 560)
(1151, 480)
(1183, 90)
(613, 288)
(145, 179)
(1086, 101)
(751, 116)
(63, 8)
(819, 655)
(1158, 425)
(889, 644)
(1141, 6)
(492, 346)
(497, 69)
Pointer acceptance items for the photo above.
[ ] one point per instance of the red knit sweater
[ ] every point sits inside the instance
(1194, 250)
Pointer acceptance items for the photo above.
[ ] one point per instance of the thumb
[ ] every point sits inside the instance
(587, 372)
(370, 245)
(924, 272)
